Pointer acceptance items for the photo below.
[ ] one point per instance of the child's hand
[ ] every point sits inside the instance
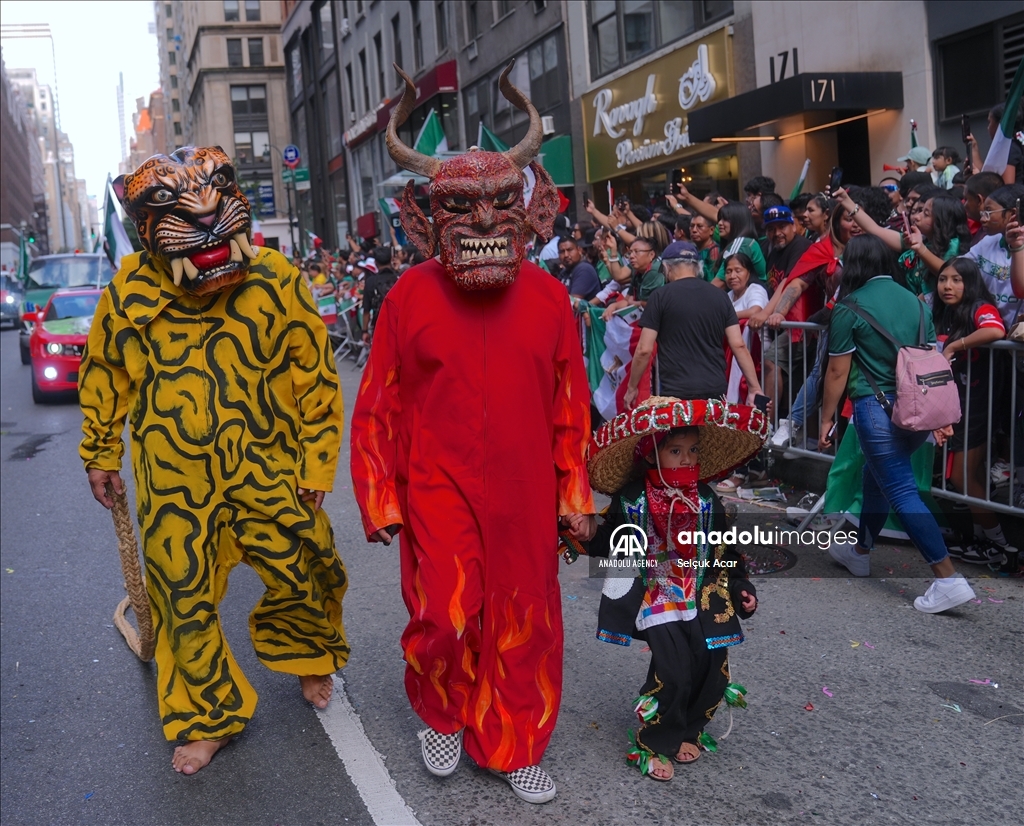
(748, 602)
(582, 526)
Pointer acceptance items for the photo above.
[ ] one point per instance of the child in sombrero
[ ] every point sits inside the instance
(686, 600)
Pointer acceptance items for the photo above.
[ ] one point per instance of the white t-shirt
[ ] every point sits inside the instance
(754, 296)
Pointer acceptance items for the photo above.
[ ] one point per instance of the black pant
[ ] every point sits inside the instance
(687, 679)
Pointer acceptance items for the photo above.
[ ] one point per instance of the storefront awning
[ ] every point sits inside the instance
(822, 91)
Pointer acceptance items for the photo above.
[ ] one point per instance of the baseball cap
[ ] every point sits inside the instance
(681, 251)
(919, 155)
(778, 215)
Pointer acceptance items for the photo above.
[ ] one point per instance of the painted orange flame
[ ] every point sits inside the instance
(410, 650)
(468, 664)
(421, 597)
(546, 689)
(455, 611)
(515, 636)
(435, 680)
(507, 745)
(483, 702)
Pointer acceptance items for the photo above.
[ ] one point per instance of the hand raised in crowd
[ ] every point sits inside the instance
(721, 202)
(1014, 232)
(672, 201)
(844, 198)
(914, 239)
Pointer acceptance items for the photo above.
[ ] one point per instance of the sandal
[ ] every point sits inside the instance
(657, 761)
(732, 484)
(691, 756)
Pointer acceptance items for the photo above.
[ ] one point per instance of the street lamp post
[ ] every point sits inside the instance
(288, 196)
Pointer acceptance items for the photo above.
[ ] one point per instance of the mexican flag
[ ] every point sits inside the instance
(999, 151)
(115, 238)
(608, 351)
(488, 141)
(431, 138)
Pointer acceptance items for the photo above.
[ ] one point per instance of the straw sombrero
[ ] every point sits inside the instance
(732, 435)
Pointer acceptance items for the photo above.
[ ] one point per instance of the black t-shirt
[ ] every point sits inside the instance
(690, 316)
(780, 262)
(581, 280)
(376, 287)
(1016, 160)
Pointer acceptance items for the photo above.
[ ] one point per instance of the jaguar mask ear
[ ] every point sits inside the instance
(118, 186)
(415, 224)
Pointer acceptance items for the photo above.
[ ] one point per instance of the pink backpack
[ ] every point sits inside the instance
(926, 394)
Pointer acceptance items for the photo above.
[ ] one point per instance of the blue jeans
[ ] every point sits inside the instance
(806, 402)
(889, 481)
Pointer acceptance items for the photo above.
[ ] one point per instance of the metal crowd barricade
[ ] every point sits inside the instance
(808, 404)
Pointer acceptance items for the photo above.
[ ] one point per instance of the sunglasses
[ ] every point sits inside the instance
(891, 187)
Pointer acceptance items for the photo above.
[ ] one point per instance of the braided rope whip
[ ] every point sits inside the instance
(141, 642)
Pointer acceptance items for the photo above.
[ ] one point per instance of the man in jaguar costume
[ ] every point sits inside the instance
(216, 353)
(469, 435)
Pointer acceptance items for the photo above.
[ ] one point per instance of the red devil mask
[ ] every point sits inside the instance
(481, 221)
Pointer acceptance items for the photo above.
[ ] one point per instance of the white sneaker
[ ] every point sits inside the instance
(781, 436)
(1000, 473)
(845, 553)
(530, 783)
(441, 752)
(941, 596)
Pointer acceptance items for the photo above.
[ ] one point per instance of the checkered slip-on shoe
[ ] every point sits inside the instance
(441, 752)
(532, 783)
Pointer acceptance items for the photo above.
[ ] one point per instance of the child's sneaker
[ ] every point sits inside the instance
(441, 752)
(530, 783)
(944, 594)
(1011, 566)
(781, 436)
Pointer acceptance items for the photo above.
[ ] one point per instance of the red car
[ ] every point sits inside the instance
(58, 340)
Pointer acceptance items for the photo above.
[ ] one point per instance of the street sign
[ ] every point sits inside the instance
(300, 175)
(290, 155)
(266, 201)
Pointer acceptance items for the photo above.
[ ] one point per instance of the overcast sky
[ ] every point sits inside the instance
(93, 41)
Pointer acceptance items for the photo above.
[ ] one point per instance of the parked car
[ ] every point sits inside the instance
(58, 340)
(11, 298)
(52, 272)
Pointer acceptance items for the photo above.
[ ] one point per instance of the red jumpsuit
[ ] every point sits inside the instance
(470, 431)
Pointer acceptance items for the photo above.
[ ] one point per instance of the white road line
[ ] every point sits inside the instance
(363, 762)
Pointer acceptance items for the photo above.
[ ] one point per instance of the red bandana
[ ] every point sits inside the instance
(672, 498)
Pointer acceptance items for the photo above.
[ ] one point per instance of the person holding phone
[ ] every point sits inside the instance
(1000, 254)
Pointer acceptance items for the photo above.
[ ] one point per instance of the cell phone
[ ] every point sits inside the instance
(965, 128)
(586, 198)
(906, 224)
(831, 435)
(677, 181)
(761, 402)
(1020, 215)
(835, 178)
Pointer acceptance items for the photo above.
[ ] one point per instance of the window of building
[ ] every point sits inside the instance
(378, 50)
(472, 20)
(255, 51)
(502, 7)
(621, 32)
(332, 109)
(174, 81)
(963, 92)
(252, 10)
(396, 42)
(359, 7)
(441, 24)
(326, 29)
(234, 51)
(366, 82)
(170, 35)
(295, 65)
(175, 105)
(252, 147)
(539, 6)
(177, 128)
(351, 88)
(417, 35)
(168, 10)
(172, 58)
(231, 11)
(249, 102)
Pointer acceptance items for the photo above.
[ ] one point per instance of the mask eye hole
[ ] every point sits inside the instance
(219, 179)
(505, 199)
(457, 203)
(162, 196)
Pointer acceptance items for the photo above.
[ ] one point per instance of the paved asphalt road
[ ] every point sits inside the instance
(904, 738)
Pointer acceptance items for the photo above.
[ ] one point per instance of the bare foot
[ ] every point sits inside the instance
(660, 769)
(688, 753)
(195, 754)
(317, 690)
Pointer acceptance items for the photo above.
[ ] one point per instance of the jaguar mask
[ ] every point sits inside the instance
(481, 222)
(189, 211)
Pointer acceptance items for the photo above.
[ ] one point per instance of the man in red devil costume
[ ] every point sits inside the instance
(469, 435)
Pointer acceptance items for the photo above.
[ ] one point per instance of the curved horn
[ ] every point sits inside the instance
(404, 156)
(526, 150)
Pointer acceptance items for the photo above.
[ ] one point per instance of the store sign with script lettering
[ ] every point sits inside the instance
(639, 119)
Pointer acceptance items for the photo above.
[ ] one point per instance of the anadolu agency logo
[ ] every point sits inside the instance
(627, 549)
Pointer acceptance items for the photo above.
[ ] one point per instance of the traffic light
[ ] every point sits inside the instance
(31, 237)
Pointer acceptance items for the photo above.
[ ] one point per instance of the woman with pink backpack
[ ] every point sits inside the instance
(901, 390)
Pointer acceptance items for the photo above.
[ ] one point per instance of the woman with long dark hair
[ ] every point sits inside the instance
(737, 234)
(868, 286)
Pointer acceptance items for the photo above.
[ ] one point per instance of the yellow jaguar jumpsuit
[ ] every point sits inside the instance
(234, 403)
